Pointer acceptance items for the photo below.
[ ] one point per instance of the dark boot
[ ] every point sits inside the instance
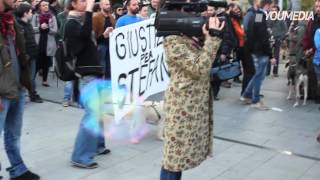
(34, 97)
(27, 176)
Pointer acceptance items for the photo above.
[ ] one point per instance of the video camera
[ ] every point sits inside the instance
(171, 21)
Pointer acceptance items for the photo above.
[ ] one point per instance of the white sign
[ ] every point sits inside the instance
(138, 65)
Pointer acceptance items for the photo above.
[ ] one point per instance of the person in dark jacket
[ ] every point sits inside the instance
(55, 7)
(279, 30)
(236, 16)
(228, 44)
(24, 16)
(103, 23)
(81, 43)
(309, 50)
(68, 89)
(257, 42)
(12, 104)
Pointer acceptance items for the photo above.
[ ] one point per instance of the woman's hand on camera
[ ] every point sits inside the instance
(214, 24)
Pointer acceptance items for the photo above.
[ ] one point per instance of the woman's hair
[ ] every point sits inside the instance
(234, 4)
(38, 5)
(96, 7)
(23, 8)
(142, 5)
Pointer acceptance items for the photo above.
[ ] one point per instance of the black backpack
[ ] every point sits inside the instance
(65, 63)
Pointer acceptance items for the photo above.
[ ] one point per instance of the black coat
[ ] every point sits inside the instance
(229, 40)
(30, 42)
(81, 44)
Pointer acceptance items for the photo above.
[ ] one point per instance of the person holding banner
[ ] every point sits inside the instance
(81, 43)
(188, 102)
(103, 23)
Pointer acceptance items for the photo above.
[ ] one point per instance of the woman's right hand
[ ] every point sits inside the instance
(90, 4)
(107, 32)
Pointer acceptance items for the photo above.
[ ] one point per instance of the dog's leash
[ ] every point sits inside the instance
(157, 112)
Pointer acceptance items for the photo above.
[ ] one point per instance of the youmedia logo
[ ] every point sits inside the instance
(290, 15)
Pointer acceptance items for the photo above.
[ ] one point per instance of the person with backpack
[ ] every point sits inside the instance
(81, 43)
(24, 16)
(68, 86)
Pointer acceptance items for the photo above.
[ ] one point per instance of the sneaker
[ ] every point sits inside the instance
(237, 80)
(36, 98)
(65, 103)
(104, 152)
(318, 138)
(1, 177)
(27, 176)
(85, 166)
(246, 101)
(45, 84)
(260, 106)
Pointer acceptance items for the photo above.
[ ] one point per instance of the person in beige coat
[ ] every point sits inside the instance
(45, 28)
(188, 104)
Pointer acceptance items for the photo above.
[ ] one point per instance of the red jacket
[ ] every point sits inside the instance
(309, 35)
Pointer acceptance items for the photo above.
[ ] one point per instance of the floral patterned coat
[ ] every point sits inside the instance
(188, 105)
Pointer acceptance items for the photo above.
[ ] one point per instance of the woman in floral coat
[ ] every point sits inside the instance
(188, 105)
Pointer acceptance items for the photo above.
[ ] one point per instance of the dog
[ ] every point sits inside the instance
(297, 77)
(150, 112)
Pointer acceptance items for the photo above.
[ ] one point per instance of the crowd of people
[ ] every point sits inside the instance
(29, 32)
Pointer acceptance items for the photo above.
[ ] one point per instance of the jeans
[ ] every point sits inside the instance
(11, 123)
(103, 50)
(276, 49)
(44, 63)
(248, 68)
(253, 89)
(317, 71)
(90, 137)
(67, 91)
(33, 74)
(169, 175)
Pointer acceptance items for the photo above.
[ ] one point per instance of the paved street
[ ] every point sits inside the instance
(250, 145)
